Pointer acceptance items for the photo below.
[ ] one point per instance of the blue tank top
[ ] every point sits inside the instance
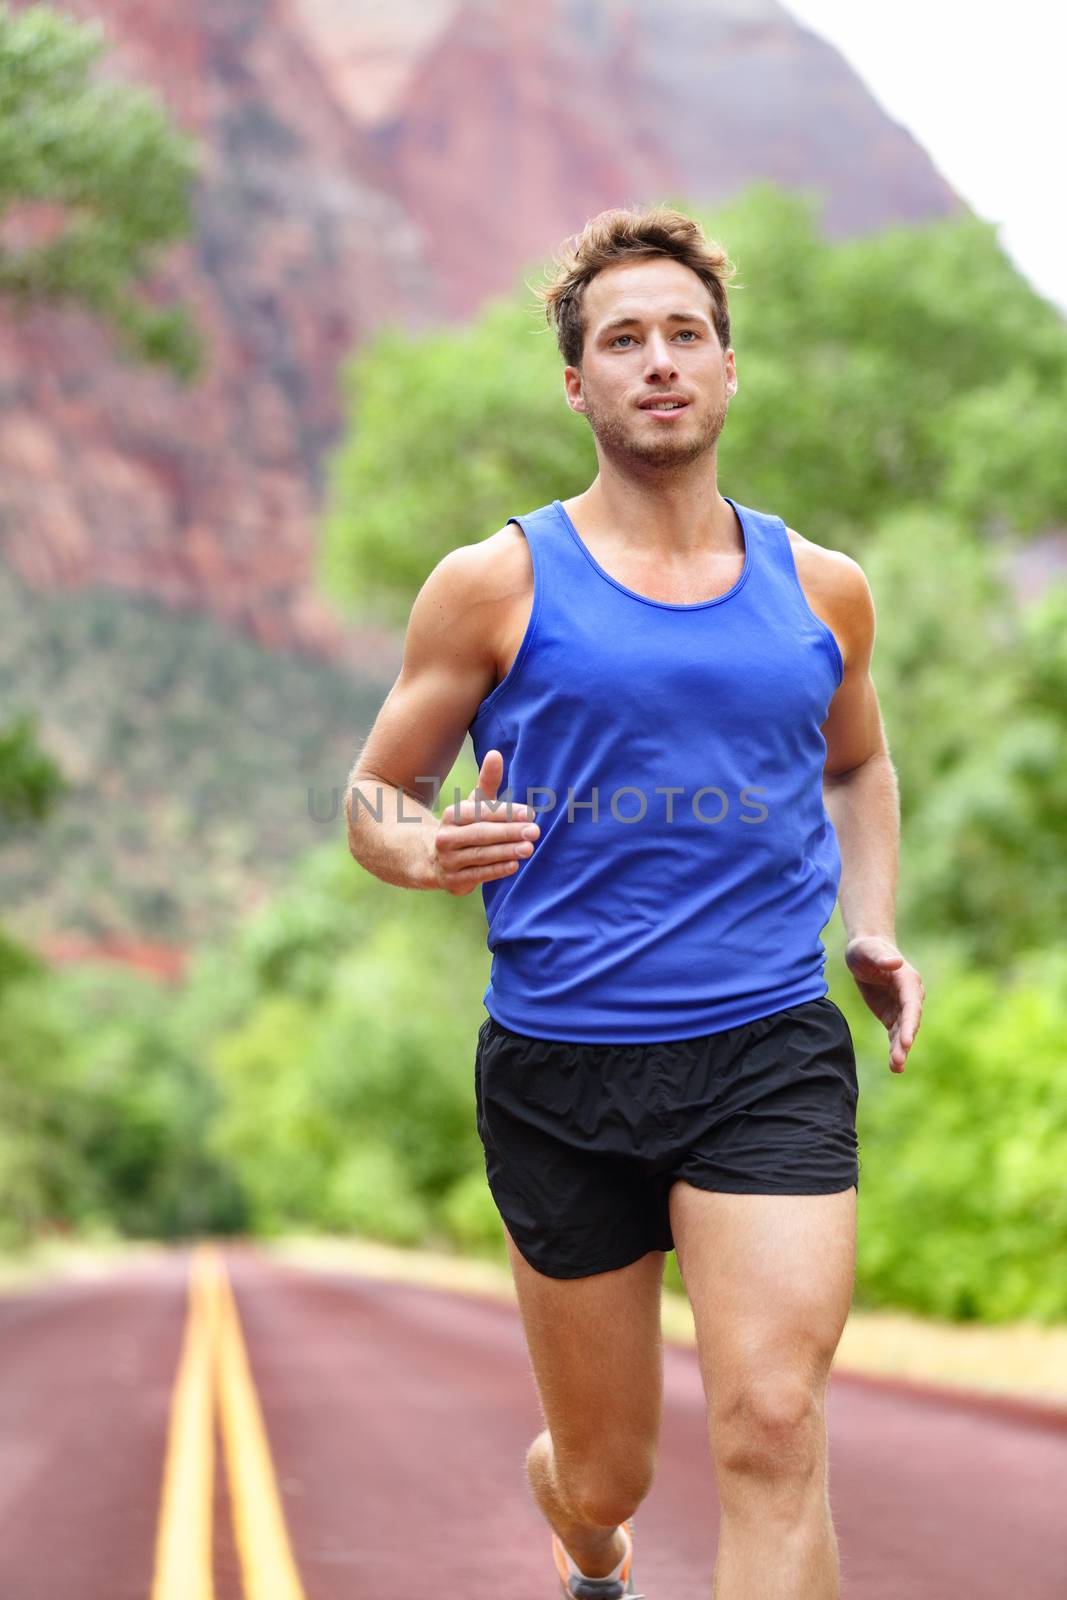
(686, 864)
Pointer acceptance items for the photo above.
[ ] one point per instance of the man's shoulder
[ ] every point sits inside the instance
(471, 581)
(836, 577)
(493, 565)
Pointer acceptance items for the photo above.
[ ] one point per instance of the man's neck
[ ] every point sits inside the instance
(677, 513)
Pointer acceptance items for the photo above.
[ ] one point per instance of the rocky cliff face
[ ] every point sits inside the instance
(507, 126)
(367, 159)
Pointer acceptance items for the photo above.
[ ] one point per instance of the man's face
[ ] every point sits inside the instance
(649, 336)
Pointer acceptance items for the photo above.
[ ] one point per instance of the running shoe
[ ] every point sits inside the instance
(574, 1587)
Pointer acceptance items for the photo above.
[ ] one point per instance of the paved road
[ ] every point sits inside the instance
(217, 1426)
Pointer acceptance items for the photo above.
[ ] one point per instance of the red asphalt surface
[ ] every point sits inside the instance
(399, 1418)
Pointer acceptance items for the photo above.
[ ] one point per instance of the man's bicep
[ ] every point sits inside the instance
(854, 730)
(418, 733)
(447, 671)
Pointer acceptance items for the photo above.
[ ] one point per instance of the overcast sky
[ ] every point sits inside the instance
(984, 90)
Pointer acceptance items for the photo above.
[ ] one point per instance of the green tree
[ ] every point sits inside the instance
(94, 180)
(448, 435)
(345, 1081)
(30, 781)
(963, 1209)
(986, 836)
(104, 1109)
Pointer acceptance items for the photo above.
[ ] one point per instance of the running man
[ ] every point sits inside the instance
(682, 766)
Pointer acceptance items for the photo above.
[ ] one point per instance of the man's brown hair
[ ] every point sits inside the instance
(630, 235)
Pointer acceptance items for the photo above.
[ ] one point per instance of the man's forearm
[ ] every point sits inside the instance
(864, 807)
(391, 833)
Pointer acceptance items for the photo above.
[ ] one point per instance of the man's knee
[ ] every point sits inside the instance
(771, 1426)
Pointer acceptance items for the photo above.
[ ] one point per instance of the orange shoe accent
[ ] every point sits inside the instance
(560, 1558)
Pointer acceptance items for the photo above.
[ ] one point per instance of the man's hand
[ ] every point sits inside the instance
(474, 843)
(891, 987)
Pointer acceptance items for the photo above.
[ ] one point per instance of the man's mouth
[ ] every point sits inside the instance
(664, 405)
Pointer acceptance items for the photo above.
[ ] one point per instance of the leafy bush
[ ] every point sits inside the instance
(963, 1205)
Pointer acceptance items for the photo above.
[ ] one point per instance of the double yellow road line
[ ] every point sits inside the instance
(214, 1367)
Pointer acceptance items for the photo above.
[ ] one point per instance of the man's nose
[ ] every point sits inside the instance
(659, 355)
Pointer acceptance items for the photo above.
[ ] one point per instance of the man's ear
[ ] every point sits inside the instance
(572, 382)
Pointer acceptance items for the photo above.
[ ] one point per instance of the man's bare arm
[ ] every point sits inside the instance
(859, 779)
(862, 800)
(447, 670)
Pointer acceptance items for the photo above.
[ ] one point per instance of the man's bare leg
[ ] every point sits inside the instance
(770, 1280)
(596, 1348)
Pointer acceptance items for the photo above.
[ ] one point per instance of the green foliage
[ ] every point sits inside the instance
(97, 177)
(147, 1105)
(30, 781)
(16, 962)
(963, 1209)
(316, 1071)
(351, 1052)
(43, 1175)
(450, 434)
(470, 1218)
(973, 689)
(872, 363)
(102, 1113)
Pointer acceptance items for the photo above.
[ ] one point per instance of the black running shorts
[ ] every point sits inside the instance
(583, 1141)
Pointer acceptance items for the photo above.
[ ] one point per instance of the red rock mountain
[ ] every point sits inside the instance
(374, 158)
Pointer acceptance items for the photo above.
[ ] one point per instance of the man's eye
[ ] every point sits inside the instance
(686, 333)
(622, 336)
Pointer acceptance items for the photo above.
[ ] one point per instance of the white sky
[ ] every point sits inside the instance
(984, 91)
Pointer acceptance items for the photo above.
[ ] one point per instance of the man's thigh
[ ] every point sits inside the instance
(596, 1348)
(770, 1280)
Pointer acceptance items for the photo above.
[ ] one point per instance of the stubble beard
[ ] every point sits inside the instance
(618, 439)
